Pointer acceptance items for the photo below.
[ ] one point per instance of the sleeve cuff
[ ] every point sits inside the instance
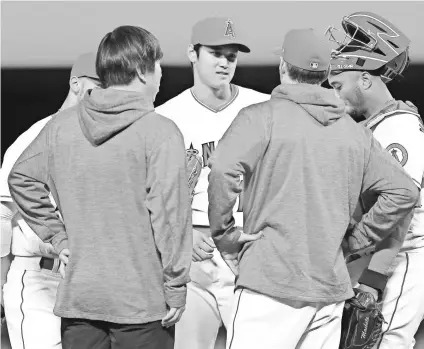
(374, 279)
(176, 297)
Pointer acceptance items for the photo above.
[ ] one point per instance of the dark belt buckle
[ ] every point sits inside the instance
(46, 263)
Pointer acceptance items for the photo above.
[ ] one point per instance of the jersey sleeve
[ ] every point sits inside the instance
(14, 152)
(11, 155)
(402, 135)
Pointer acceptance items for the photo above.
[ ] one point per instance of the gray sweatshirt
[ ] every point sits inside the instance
(117, 171)
(304, 164)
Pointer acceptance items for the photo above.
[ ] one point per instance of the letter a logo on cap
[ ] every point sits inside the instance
(229, 31)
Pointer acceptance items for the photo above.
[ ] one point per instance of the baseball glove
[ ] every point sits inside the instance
(194, 167)
(362, 322)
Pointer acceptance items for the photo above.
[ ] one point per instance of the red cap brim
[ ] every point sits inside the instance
(241, 47)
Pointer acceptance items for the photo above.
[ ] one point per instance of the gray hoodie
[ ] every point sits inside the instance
(117, 171)
(305, 164)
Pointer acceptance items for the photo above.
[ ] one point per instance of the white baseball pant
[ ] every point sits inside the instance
(209, 302)
(29, 299)
(259, 321)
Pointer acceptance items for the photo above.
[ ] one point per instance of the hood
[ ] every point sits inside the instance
(105, 112)
(321, 103)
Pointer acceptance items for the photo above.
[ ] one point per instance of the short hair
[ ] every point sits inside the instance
(306, 76)
(123, 51)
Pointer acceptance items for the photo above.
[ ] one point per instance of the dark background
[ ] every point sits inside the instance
(28, 95)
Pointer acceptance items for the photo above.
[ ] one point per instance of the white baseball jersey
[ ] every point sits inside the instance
(25, 242)
(401, 133)
(202, 128)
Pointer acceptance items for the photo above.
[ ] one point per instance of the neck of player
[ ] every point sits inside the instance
(213, 97)
(377, 101)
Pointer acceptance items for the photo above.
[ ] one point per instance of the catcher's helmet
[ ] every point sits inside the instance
(369, 42)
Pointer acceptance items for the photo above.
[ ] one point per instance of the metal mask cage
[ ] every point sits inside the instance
(351, 38)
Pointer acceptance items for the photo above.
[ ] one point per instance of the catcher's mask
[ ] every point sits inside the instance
(369, 42)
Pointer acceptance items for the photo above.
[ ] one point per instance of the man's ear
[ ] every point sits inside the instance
(366, 80)
(141, 76)
(191, 53)
(75, 85)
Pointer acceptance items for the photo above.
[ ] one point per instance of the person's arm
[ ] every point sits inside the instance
(169, 204)
(28, 184)
(402, 135)
(237, 153)
(387, 222)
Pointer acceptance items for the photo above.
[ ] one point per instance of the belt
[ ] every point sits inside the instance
(46, 263)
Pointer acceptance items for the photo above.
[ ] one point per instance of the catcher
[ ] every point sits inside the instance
(370, 53)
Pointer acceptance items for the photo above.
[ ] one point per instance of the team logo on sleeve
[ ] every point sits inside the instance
(399, 152)
(193, 152)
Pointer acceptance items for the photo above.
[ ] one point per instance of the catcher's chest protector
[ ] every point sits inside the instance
(361, 323)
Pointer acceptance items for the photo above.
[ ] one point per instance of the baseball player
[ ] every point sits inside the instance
(33, 278)
(203, 114)
(373, 52)
(305, 163)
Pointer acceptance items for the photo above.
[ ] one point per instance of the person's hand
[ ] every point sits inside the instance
(202, 246)
(373, 291)
(173, 316)
(232, 258)
(47, 250)
(64, 259)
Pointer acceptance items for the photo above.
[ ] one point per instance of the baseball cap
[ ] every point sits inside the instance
(216, 31)
(85, 65)
(302, 48)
